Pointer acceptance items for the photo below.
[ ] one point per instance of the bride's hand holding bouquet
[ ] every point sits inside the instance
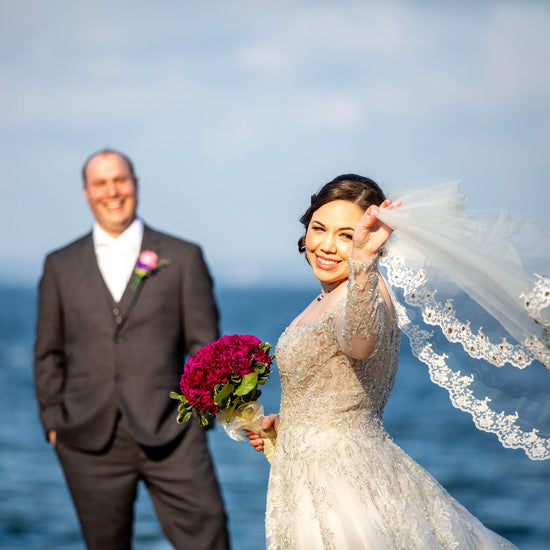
(270, 423)
(222, 379)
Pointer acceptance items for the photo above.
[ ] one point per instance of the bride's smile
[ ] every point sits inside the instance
(328, 241)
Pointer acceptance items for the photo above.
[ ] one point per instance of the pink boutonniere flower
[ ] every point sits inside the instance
(148, 263)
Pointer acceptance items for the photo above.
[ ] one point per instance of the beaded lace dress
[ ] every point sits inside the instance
(337, 480)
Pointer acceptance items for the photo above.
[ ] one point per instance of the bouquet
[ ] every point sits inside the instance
(222, 378)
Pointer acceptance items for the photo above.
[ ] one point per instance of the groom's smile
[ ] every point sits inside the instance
(111, 191)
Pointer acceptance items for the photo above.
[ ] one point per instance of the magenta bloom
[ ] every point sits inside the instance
(224, 362)
(147, 262)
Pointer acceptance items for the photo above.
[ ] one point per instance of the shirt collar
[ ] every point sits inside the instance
(130, 239)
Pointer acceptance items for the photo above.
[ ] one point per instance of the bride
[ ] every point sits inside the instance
(337, 480)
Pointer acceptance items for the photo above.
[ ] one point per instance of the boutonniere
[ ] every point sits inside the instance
(148, 263)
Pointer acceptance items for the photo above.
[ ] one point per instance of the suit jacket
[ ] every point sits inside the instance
(95, 358)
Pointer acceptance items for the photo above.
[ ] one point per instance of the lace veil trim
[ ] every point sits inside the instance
(473, 297)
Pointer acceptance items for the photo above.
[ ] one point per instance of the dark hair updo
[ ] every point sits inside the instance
(348, 187)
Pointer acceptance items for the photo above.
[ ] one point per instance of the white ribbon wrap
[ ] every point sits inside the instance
(248, 417)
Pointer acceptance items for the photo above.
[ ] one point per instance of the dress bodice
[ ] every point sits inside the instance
(322, 385)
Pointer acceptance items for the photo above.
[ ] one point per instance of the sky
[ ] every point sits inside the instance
(235, 112)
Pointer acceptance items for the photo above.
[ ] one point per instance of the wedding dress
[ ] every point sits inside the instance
(337, 479)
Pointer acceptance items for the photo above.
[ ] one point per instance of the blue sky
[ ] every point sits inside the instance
(236, 111)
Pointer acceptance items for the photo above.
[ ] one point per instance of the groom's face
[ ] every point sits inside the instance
(111, 192)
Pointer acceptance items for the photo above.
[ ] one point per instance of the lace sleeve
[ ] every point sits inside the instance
(359, 325)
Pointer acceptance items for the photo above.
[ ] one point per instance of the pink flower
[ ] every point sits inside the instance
(147, 260)
(147, 264)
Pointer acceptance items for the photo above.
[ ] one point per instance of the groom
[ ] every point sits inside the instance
(109, 349)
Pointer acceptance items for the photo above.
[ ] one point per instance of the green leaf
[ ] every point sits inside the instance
(184, 417)
(181, 398)
(265, 346)
(249, 382)
(259, 368)
(223, 393)
(202, 420)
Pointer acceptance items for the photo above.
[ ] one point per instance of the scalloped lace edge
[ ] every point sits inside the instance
(502, 425)
(478, 346)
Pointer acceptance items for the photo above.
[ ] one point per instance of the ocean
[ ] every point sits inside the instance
(508, 492)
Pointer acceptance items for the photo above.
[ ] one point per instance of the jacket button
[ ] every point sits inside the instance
(118, 319)
(116, 311)
(119, 339)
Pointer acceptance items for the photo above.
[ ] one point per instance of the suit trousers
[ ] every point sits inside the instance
(180, 480)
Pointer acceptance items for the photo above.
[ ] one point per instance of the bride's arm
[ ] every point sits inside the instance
(367, 311)
(368, 305)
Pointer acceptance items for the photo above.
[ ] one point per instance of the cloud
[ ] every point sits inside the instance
(331, 111)
(392, 59)
(242, 107)
(262, 58)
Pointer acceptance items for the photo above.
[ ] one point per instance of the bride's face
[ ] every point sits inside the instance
(329, 240)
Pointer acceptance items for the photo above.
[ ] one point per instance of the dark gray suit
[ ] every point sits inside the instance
(104, 371)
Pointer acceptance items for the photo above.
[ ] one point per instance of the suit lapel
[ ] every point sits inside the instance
(151, 241)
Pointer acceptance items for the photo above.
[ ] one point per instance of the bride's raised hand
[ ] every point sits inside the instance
(370, 233)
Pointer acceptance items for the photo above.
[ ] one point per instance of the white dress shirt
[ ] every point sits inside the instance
(117, 257)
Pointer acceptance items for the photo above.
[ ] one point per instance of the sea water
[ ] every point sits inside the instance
(508, 492)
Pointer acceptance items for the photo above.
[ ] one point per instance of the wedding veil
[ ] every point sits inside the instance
(473, 297)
